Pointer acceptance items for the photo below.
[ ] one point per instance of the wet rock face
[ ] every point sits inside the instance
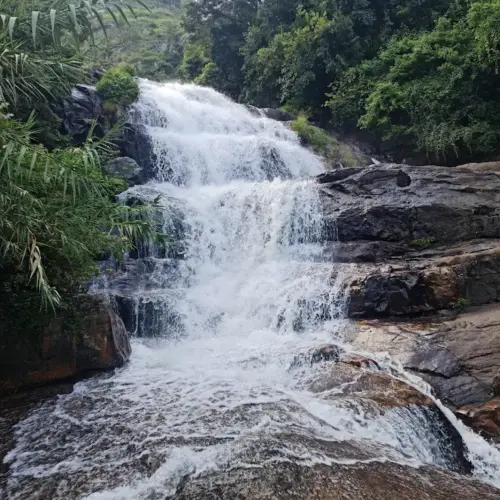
(359, 481)
(484, 418)
(404, 203)
(278, 114)
(458, 356)
(125, 168)
(71, 346)
(80, 110)
(428, 238)
(452, 277)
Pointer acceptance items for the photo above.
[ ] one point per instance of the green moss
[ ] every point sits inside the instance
(118, 87)
(422, 243)
(460, 304)
(322, 143)
(311, 135)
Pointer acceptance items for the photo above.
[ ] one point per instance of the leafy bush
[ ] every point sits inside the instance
(322, 143)
(460, 304)
(58, 214)
(311, 135)
(118, 87)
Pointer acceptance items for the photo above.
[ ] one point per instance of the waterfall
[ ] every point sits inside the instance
(220, 316)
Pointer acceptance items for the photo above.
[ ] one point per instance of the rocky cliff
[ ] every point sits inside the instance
(419, 249)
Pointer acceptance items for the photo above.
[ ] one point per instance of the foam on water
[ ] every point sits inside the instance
(252, 292)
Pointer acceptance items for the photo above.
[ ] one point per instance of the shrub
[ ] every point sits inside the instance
(322, 143)
(422, 243)
(118, 87)
(460, 304)
(311, 135)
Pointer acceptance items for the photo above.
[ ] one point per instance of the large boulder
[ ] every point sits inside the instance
(399, 203)
(484, 418)
(424, 238)
(80, 111)
(446, 277)
(458, 356)
(85, 338)
(278, 114)
(125, 168)
(134, 142)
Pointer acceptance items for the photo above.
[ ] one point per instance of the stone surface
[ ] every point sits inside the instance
(278, 115)
(451, 277)
(400, 203)
(80, 110)
(74, 344)
(459, 357)
(426, 238)
(125, 168)
(358, 384)
(484, 418)
(339, 481)
(134, 142)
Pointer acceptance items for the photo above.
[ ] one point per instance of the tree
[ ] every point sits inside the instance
(438, 91)
(220, 26)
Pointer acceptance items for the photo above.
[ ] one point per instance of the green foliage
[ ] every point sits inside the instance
(210, 75)
(434, 90)
(311, 135)
(422, 243)
(322, 143)
(118, 87)
(194, 61)
(58, 208)
(58, 211)
(153, 43)
(422, 75)
(460, 304)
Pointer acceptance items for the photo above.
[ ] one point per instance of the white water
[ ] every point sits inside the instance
(251, 293)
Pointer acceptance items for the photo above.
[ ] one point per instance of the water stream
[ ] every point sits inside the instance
(212, 382)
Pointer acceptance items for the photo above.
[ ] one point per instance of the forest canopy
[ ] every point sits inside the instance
(422, 74)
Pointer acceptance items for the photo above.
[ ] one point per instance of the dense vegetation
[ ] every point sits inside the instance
(421, 74)
(411, 75)
(153, 41)
(58, 208)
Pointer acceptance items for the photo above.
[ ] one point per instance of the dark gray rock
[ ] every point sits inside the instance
(134, 142)
(80, 110)
(278, 115)
(403, 203)
(458, 390)
(402, 283)
(125, 168)
(436, 361)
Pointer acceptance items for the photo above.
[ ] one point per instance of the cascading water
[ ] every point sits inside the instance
(216, 382)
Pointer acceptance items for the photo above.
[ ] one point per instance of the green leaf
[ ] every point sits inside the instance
(120, 10)
(12, 23)
(99, 19)
(72, 9)
(34, 25)
(53, 13)
(131, 10)
(142, 4)
(111, 13)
